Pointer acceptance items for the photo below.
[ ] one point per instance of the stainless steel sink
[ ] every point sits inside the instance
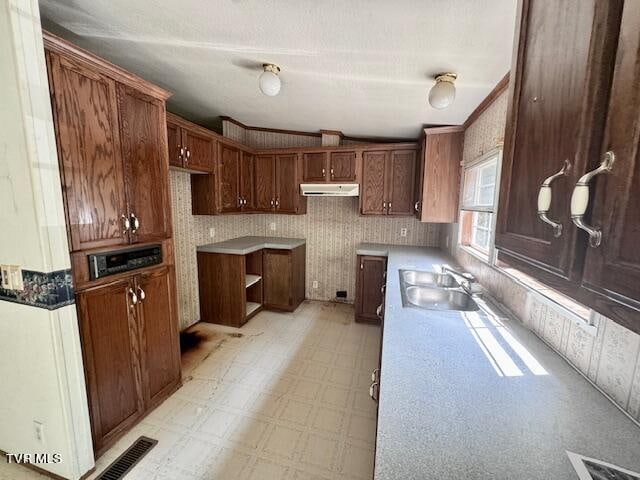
(431, 298)
(428, 279)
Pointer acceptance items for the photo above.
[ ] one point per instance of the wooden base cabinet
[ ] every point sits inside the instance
(131, 353)
(284, 278)
(371, 278)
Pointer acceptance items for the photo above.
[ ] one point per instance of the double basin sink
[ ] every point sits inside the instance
(434, 291)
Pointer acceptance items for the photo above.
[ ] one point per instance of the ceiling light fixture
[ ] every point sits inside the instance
(443, 92)
(269, 80)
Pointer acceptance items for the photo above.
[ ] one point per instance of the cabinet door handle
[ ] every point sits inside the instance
(580, 199)
(323, 172)
(372, 391)
(416, 207)
(388, 207)
(277, 203)
(187, 154)
(331, 172)
(181, 154)
(134, 297)
(379, 311)
(135, 222)
(374, 375)
(545, 195)
(273, 202)
(384, 205)
(382, 288)
(141, 294)
(126, 224)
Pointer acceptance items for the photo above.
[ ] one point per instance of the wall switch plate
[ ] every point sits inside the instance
(212, 232)
(315, 284)
(272, 226)
(403, 232)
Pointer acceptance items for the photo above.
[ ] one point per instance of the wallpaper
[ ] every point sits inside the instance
(611, 358)
(332, 228)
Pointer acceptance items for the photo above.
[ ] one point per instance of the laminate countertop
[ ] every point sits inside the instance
(476, 395)
(245, 245)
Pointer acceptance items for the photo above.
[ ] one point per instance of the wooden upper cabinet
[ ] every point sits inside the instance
(611, 281)
(199, 150)
(388, 182)
(174, 143)
(112, 368)
(314, 167)
(247, 181)
(265, 182)
(144, 150)
(288, 199)
(372, 196)
(158, 331)
(229, 178)
(438, 179)
(342, 166)
(555, 115)
(88, 138)
(401, 174)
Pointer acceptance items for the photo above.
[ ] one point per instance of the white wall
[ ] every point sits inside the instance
(40, 358)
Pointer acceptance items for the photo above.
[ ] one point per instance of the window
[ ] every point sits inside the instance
(479, 197)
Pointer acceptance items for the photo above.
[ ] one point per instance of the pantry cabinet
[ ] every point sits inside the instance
(371, 277)
(567, 212)
(130, 348)
(388, 182)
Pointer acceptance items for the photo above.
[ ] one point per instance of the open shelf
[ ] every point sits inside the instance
(250, 279)
(252, 307)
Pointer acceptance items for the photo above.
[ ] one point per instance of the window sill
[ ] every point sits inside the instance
(581, 315)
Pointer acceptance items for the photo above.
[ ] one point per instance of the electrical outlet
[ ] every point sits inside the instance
(16, 280)
(403, 232)
(6, 277)
(272, 226)
(212, 232)
(315, 284)
(39, 431)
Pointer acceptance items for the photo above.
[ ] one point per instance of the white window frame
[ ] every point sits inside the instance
(494, 154)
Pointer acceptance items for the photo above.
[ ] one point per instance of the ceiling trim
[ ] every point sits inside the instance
(500, 87)
(272, 130)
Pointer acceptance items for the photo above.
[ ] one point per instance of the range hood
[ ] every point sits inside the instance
(330, 189)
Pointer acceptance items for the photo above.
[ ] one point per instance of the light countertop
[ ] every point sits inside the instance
(245, 245)
(446, 412)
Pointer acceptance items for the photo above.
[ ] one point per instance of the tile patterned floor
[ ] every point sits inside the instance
(287, 400)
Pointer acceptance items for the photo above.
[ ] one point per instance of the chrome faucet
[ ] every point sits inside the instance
(466, 280)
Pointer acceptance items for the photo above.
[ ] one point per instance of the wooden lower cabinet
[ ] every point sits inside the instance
(130, 348)
(370, 284)
(284, 278)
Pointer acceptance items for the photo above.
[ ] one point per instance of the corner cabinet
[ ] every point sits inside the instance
(370, 288)
(559, 128)
(388, 182)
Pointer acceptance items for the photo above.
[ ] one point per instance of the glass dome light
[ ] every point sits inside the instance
(269, 80)
(443, 93)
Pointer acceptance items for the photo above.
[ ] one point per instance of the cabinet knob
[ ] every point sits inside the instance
(388, 206)
(331, 172)
(580, 199)
(135, 223)
(323, 172)
(187, 154)
(134, 297)
(544, 198)
(126, 224)
(277, 203)
(372, 391)
(416, 207)
(141, 294)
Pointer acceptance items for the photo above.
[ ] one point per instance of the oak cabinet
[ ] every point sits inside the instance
(568, 211)
(111, 140)
(229, 179)
(277, 180)
(265, 169)
(338, 166)
(438, 177)
(284, 278)
(130, 347)
(247, 182)
(611, 277)
(388, 182)
(554, 119)
(370, 288)
(190, 146)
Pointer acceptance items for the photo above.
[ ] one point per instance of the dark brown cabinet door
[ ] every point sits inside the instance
(157, 323)
(314, 167)
(199, 151)
(370, 282)
(342, 166)
(555, 115)
(110, 342)
(174, 142)
(401, 174)
(277, 278)
(247, 182)
(287, 193)
(88, 137)
(374, 166)
(265, 167)
(612, 271)
(143, 134)
(229, 179)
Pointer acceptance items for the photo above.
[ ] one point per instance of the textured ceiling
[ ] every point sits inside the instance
(359, 66)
